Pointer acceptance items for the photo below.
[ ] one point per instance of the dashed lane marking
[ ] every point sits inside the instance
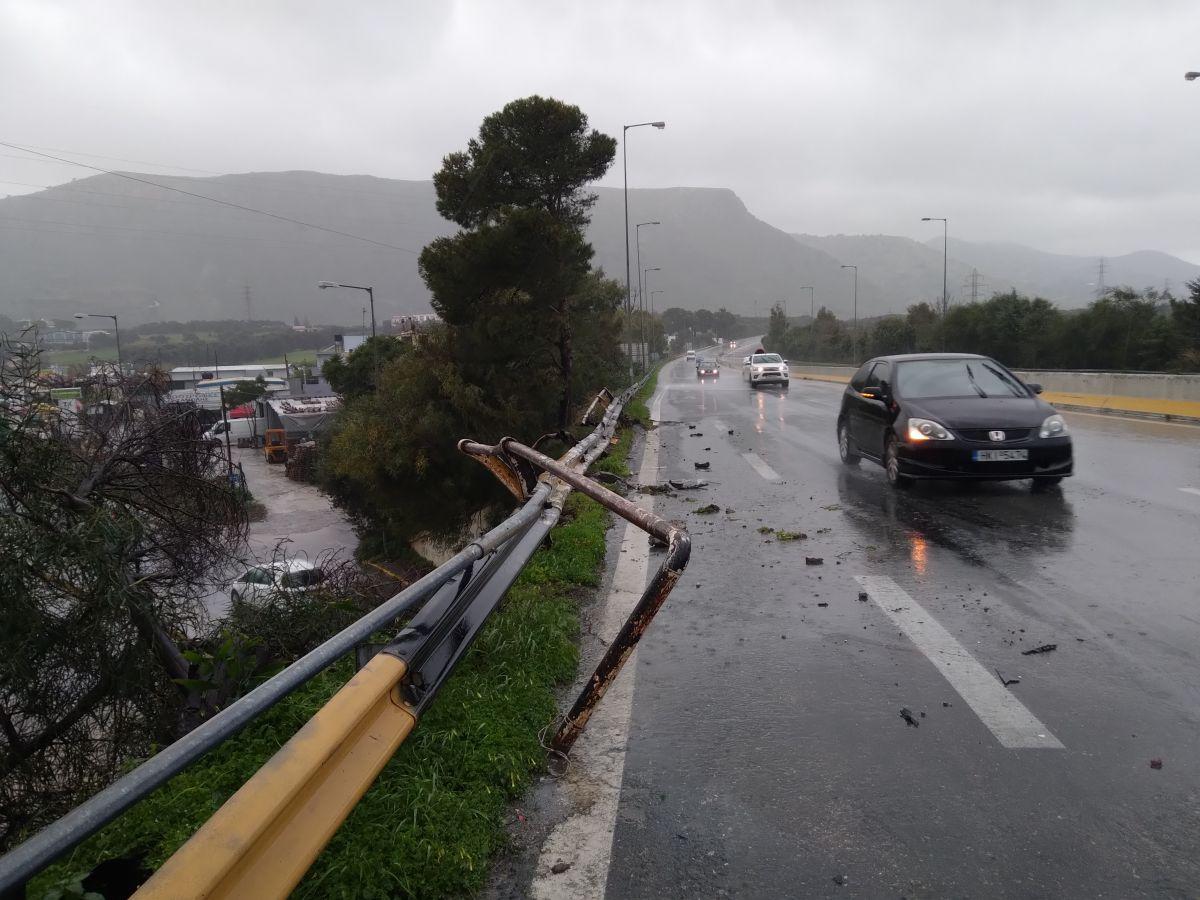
(1014, 726)
(757, 464)
(1191, 490)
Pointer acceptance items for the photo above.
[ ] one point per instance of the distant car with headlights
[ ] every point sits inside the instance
(765, 368)
(951, 415)
(707, 368)
(690, 355)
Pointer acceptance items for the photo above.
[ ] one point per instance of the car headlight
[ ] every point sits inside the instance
(1054, 426)
(927, 430)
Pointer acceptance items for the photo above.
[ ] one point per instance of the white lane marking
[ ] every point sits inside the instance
(593, 783)
(1190, 490)
(656, 405)
(756, 463)
(1008, 719)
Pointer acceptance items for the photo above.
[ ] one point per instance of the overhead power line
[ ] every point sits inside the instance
(230, 204)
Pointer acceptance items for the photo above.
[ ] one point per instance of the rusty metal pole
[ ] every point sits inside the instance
(510, 454)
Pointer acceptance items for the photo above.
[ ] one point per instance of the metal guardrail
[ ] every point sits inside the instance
(265, 837)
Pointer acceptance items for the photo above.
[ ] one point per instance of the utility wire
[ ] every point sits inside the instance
(249, 209)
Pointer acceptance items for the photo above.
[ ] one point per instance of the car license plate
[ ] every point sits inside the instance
(1000, 455)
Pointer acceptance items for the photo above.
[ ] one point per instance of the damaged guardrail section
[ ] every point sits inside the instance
(266, 836)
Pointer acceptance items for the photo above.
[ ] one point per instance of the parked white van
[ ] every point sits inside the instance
(238, 428)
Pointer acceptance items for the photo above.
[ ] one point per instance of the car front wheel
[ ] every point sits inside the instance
(845, 449)
(891, 465)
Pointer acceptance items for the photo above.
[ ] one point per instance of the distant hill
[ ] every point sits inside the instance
(108, 244)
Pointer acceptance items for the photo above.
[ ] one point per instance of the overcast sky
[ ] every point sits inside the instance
(1063, 125)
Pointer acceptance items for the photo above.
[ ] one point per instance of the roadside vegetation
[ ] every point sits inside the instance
(1125, 329)
(430, 824)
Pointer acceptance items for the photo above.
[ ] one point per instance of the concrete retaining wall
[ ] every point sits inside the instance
(1158, 396)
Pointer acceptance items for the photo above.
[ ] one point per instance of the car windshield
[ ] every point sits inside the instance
(302, 578)
(926, 378)
(766, 358)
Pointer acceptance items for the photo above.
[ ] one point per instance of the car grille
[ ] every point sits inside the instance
(983, 435)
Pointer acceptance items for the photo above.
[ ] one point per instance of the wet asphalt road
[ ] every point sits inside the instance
(767, 756)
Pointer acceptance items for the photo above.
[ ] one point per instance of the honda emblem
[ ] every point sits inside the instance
(996, 435)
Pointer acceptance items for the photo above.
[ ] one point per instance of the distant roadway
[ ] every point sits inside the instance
(767, 753)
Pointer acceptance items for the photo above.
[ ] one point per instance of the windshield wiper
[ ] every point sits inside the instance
(1008, 382)
(971, 375)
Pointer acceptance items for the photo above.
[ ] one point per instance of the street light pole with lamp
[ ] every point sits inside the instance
(646, 281)
(324, 285)
(116, 331)
(637, 236)
(854, 339)
(625, 169)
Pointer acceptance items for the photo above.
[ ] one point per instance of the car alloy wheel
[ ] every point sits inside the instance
(892, 466)
(848, 456)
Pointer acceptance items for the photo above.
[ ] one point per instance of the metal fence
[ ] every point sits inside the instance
(265, 837)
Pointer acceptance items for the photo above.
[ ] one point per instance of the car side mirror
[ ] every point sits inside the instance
(1035, 387)
(872, 392)
(785, 362)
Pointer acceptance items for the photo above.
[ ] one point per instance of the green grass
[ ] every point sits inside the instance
(429, 825)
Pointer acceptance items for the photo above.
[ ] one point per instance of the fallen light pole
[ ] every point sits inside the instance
(516, 466)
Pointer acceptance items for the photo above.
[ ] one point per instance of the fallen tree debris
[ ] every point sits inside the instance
(1045, 648)
(703, 465)
(1007, 681)
(814, 561)
(908, 717)
(707, 510)
(693, 485)
(791, 535)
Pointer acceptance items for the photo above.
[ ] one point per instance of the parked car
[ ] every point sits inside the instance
(765, 368)
(951, 415)
(707, 367)
(284, 578)
(246, 427)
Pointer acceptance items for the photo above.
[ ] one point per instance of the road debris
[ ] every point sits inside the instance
(863, 597)
(1156, 763)
(946, 705)
(559, 867)
(840, 880)
(1007, 681)
(791, 536)
(814, 561)
(707, 510)
(832, 507)
(703, 465)
(822, 604)
(696, 434)
(1045, 648)
(908, 717)
(765, 529)
(731, 431)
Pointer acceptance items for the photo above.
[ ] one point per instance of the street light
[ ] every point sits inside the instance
(854, 341)
(354, 287)
(116, 329)
(637, 235)
(945, 250)
(625, 169)
(646, 281)
(323, 285)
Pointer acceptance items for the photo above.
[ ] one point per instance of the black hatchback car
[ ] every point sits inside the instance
(951, 415)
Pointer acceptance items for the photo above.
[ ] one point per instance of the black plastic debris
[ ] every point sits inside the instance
(703, 465)
(863, 597)
(907, 715)
(814, 561)
(822, 604)
(840, 880)
(1156, 763)
(559, 867)
(1045, 648)
(731, 431)
(1007, 681)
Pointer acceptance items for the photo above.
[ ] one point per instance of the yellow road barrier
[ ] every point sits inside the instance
(266, 836)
